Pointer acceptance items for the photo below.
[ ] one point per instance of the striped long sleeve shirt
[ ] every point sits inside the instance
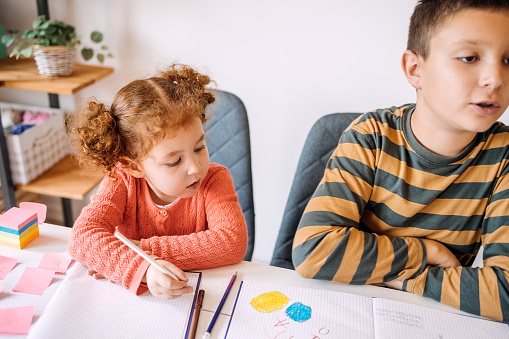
(382, 192)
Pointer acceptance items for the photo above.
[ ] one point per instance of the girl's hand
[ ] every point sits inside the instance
(164, 287)
(136, 242)
(95, 274)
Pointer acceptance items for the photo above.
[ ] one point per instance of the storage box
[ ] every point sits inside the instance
(18, 227)
(37, 149)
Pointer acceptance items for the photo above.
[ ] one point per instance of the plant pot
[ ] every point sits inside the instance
(54, 61)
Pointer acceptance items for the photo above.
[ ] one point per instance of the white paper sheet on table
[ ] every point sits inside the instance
(264, 310)
(89, 308)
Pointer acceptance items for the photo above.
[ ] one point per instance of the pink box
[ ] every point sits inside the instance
(18, 227)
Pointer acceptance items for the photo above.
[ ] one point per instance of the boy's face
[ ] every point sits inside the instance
(176, 166)
(463, 85)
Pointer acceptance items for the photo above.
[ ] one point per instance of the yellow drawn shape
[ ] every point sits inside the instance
(269, 302)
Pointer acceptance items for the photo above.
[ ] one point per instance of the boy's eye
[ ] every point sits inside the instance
(173, 164)
(200, 148)
(506, 61)
(468, 59)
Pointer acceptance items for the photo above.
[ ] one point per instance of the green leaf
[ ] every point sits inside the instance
(15, 52)
(43, 42)
(7, 40)
(45, 25)
(100, 57)
(87, 53)
(29, 35)
(110, 55)
(56, 41)
(51, 30)
(96, 36)
(104, 47)
(27, 52)
(37, 22)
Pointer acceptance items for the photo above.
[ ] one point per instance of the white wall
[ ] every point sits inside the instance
(290, 61)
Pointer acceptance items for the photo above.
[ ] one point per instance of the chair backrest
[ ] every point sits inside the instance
(320, 143)
(229, 144)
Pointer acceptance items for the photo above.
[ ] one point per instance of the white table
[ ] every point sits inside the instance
(54, 238)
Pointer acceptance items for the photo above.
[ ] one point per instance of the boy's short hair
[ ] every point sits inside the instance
(429, 15)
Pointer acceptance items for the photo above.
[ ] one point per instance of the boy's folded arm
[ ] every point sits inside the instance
(352, 256)
(332, 244)
(481, 291)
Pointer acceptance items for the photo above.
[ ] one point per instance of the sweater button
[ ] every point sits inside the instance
(163, 212)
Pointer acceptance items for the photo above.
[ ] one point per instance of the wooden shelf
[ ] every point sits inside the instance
(23, 74)
(65, 180)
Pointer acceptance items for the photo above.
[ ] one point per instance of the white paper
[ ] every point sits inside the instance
(332, 314)
(88, 308)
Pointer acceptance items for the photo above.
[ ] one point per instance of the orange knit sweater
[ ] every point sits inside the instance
(204, 231)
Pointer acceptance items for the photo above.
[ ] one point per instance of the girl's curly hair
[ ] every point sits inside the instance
(142, 113)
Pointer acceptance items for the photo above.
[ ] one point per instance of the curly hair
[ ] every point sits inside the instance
(142, 113)
(430, 15)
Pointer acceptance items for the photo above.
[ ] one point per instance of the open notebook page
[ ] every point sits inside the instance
(396, 320)
(264, 310)
(88, 308)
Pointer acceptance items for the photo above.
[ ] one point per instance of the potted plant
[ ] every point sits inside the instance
(53, 44)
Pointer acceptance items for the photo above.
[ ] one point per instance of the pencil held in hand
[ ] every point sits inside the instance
(144, 255)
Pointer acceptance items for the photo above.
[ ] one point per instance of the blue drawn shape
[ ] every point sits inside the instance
(298, 312)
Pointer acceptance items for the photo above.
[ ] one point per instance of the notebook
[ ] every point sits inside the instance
(88, 308)
(264, 310)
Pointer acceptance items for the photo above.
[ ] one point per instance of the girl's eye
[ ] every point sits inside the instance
(468, 59)
(506, 61)
(173, 164)
(200, 148)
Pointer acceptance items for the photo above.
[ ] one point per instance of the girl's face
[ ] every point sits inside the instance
(176, 166)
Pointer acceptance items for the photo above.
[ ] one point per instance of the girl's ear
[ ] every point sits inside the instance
(132, 167)
(411, 64)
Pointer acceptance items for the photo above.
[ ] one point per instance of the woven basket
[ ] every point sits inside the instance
(54, 61)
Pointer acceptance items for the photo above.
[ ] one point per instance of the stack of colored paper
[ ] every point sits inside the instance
(18, 227)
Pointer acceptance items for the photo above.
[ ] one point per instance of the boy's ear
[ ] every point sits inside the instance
(132, 167)
(411, 64)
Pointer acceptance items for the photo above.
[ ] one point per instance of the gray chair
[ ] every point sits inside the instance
(229, 144)
(320, 143)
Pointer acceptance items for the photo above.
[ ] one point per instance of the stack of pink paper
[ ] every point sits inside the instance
(18, 227)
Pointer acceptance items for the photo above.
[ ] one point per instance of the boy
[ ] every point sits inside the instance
(412, 192)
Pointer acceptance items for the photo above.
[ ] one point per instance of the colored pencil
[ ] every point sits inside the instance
(196, 314)
(218, 311)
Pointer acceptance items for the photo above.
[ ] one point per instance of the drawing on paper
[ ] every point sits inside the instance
(275, 301)
(269, 302)
(298, 312)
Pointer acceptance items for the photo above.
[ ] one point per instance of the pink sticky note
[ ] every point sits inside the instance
(16, 320)
(58, 262)
(6, 265)
(34, 281)
(40, 209)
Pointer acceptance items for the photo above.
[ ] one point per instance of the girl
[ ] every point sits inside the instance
(160, 190)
